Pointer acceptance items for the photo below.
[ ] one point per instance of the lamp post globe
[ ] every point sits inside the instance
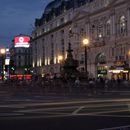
(2, 51)
(85, 42)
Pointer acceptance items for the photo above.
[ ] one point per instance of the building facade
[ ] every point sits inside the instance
(106, 23)
(20, 60)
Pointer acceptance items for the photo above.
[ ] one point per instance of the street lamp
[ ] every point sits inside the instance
(85, 43)
(2, 51)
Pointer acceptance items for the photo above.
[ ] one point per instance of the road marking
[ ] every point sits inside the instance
(77, 110)
(35, 117)
(11, 114)
(71, 102)
(14, 106)
(46, 109)
(120, 116)
(104, 112)
(53, 108)
(51, 113)
(115, 128)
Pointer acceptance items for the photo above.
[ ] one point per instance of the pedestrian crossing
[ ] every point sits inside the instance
(61, 109)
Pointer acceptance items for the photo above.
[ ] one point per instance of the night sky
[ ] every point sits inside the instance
(18, 17)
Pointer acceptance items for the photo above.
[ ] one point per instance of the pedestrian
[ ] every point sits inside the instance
(92, 86)
(106, 84)
(77, 82)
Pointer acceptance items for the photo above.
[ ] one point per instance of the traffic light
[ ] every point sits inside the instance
(27, 70)
(12, 68)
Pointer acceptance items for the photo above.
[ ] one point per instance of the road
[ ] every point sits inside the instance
(68, 114)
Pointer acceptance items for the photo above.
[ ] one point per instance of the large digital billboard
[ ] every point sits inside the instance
(22, 41)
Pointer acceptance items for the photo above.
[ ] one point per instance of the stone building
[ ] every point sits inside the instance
(106, 23)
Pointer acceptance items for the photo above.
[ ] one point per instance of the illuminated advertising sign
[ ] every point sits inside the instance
(7, 61)
(22, 41)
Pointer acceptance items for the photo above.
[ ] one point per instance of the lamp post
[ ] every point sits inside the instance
(2, 52)
(85, 43)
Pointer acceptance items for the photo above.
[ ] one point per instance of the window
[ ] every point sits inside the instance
(82, 59)
(43, 52)
(52, 53)
(122, 25)
(100, 31)
(62, 33)
(62, 20)
(19, 51)
(108, 30)
(112, 51)
(35, 47)
(62, 47)
(19, 64)
(43, 30)
(94, 30)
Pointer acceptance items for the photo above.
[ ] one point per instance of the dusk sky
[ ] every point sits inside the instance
(18, 17)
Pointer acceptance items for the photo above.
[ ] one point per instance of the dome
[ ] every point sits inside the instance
(53, 4)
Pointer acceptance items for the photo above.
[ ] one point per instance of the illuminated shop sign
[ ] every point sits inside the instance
(102, 70)
(22, 41)
(7, 61)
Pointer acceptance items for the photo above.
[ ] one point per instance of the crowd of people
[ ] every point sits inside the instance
(68, 85)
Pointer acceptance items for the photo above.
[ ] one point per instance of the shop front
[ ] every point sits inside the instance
(101, 65)
(120, 70)
(102, 71)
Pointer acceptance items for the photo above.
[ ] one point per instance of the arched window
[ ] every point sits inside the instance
(122, 24)
(100, 31)
(108, 29)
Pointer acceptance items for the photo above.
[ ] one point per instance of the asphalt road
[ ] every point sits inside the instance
(80, 114)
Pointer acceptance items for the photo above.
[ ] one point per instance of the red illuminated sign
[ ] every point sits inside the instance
(21, 77)
(22, 41)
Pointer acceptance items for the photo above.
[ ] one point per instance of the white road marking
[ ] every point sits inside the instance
(35, 117)
(70, 102)
(46, 109)
(14, 106)
(11, 114)
(56, 110)
(103, 112)
(77, 110)
(120, 116)
(115, 128)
